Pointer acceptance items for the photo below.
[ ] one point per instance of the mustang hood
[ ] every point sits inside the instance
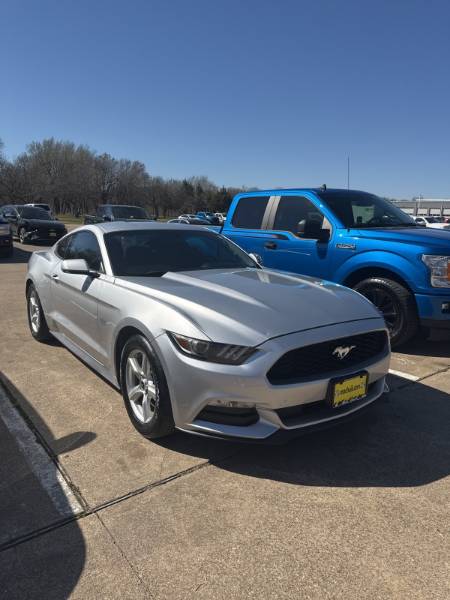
(249, 306)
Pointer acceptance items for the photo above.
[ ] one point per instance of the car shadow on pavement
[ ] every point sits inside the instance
(401, 441)
(18, 256)
(437, 345)
(42, 548)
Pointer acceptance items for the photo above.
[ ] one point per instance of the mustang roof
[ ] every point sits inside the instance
(110, 226)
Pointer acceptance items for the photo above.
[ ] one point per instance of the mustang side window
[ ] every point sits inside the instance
(61, 248)
(85, 245)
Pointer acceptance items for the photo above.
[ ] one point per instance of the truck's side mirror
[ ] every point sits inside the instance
(107, 218)
(312, 229)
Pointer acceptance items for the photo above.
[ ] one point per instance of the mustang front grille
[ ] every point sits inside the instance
(331, 357)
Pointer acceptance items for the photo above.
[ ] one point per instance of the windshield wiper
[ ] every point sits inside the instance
(154, 274)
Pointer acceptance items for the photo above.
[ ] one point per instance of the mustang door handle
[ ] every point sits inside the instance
(270, 245)
(55, 276)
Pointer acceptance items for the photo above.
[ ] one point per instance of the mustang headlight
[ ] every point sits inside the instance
(439, 267)
(226, 354)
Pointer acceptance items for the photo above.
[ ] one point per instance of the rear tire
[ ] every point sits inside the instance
(36, 318)
(144, 389)
(397, 305)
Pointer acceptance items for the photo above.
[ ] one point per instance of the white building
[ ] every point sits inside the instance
(437, 207)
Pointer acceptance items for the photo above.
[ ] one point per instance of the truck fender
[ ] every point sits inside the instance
(388, 262)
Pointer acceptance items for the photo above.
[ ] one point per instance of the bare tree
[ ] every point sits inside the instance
(75, 179)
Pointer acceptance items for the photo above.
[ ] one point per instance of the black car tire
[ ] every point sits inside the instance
(161, 423)
(21, 235)
(41, 333)
(397, 305)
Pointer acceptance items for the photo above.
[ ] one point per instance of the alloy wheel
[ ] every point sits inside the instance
(141, 386)
(34, 312)
(388, 306)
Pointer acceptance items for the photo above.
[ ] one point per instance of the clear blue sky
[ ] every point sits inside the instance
(247, 92)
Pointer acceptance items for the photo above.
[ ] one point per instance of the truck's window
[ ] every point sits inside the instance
(249, 212)
(292, 210)
(100, 211)
(363, 210)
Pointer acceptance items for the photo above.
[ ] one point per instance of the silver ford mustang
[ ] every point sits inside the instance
(199, 337)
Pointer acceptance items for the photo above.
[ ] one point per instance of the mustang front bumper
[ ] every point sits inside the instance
(195, 386)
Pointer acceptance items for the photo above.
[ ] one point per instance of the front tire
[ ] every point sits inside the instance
(144, 389)
(36, 318)
(397, 305)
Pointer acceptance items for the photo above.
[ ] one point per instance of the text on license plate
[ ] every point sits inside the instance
(349, 390)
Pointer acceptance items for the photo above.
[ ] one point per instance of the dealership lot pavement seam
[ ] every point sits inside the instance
(124, 556)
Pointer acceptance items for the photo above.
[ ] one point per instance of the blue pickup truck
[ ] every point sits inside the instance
(354, 238)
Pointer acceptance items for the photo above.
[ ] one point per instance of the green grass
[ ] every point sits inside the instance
(70, 219)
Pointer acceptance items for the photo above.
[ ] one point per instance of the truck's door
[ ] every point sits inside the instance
(248, 220)
(285, 249)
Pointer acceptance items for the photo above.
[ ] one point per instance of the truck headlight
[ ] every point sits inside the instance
(4, 229)
(439, 267)
(227, 354)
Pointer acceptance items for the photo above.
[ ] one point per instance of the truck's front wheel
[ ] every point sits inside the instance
(397, 305)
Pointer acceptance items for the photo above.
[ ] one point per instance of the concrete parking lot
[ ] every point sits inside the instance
(89, 509)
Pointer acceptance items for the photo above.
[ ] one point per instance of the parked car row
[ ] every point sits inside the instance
(201, 218)
(433, 222)
(32, 224)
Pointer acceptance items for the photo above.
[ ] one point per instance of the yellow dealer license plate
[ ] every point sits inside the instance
(349, 390)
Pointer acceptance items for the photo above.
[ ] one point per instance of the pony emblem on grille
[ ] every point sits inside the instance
(342, 351)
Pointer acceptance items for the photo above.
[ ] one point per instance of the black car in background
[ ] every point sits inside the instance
(117, 212)
(6, 241)
(31, 224)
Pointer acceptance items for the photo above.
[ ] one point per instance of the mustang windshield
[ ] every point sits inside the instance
(361, 210)
(153, 252)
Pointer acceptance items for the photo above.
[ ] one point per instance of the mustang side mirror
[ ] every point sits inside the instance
(78, 266)
(312, 229)
(257, 258)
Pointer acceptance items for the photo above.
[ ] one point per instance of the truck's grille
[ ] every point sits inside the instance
(304, 364)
